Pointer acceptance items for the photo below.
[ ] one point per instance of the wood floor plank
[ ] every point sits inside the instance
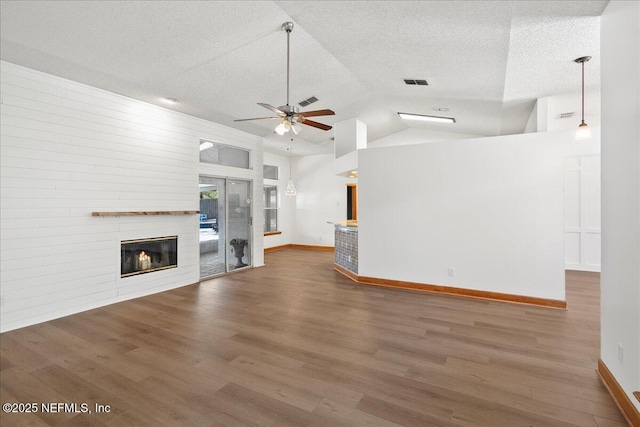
(258, 406)
(295, 343)
(74, 389)
(276, 390)
(337, 414)
(177, 367)
(108, 357)
(17, 419)
(296, 379)
(20, 355)
(26, 388)
(156, 404)
(403, 416)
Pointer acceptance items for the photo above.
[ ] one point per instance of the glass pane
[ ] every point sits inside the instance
(239, 224)
(225, 155)
(270, 172)
(212, 226)
(270, 197)
(270, 220)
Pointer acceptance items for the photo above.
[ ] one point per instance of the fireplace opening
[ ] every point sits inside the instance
(147, 255)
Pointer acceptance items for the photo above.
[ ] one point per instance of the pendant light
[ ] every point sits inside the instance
(291, 189)
(583, 131)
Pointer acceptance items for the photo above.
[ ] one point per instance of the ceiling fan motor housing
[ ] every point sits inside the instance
(288, 109)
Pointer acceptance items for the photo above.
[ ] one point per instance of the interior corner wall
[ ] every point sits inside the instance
(67, 150)
(620, 280)
(322, 197)
(491, 209)
(286, 205)
(532, 123)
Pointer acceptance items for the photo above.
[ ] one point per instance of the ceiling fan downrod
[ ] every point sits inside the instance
(288, 27)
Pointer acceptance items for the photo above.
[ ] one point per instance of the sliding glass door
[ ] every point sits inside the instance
(239, 224)
(225, 225)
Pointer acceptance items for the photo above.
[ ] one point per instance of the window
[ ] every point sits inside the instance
(270, 195)
(225, 155)
(270, 172)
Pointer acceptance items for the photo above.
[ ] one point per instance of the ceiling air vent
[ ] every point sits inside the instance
(307, 101)
(416, 82)
(566, 115)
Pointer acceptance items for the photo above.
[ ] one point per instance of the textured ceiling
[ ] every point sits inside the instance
(486, 61)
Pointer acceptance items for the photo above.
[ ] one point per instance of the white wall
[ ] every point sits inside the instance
(322, 197)
(490, 208)
(68, 149)
(286, 205)
(620, 287)
(418, 136)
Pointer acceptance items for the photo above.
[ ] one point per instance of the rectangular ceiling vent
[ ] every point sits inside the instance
(307, 101)
(566, 115)
(416, 82)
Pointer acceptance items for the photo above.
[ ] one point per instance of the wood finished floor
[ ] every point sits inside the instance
(297, 344)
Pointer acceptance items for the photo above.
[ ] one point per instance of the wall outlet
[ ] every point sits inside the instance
(451, 272)
(620, 353)
(349, 256)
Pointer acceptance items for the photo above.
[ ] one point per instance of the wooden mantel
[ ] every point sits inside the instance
(142, 213)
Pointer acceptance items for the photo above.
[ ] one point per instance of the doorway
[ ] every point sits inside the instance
(225, 225)
(352, 201)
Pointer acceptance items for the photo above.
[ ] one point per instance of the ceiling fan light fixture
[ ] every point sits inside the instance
(296, 128)
(283, 127)
(424, 118)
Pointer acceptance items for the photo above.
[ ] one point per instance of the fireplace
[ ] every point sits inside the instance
(147, 255)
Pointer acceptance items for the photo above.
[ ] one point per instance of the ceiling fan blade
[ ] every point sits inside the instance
(315, 124)
(272, 108)
(255, 118)
(317, 113)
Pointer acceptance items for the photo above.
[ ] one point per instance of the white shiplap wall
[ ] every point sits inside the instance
(68, 149)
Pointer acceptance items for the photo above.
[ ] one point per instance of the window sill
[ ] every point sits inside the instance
(271, 233)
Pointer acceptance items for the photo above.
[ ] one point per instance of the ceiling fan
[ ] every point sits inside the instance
(290, 117)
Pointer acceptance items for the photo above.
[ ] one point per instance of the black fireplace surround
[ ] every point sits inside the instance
(147, 255)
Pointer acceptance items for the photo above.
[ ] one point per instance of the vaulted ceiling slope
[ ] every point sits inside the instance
(485, 61)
